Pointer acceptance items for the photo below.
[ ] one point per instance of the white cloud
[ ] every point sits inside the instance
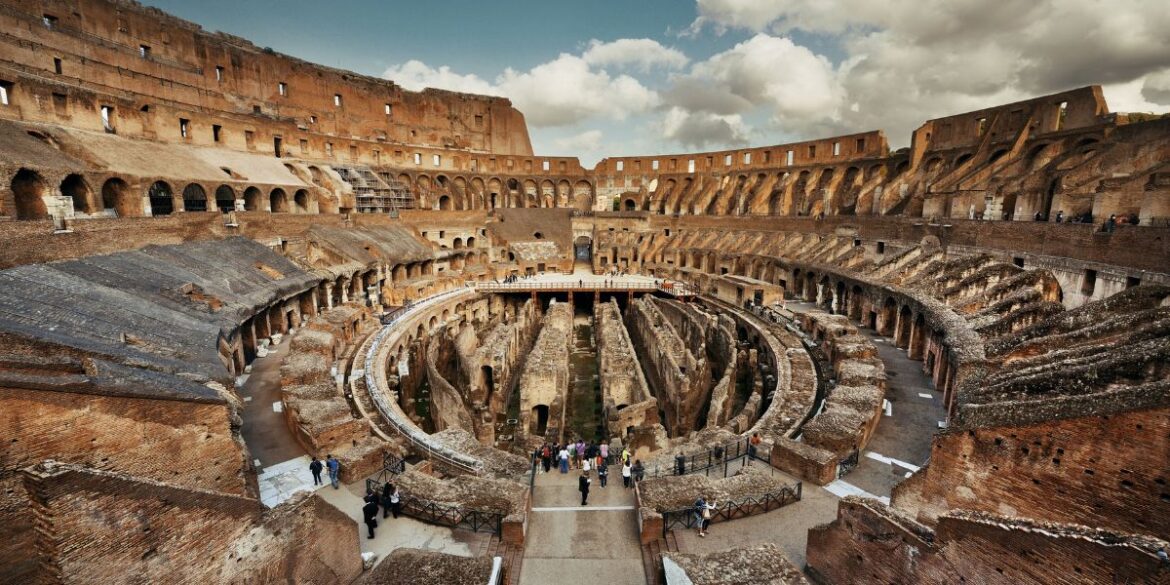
(587, 141)
(561, 92)
(644, 53)
(416, 76)
(905, 62)
(702, 129)
(567, 90)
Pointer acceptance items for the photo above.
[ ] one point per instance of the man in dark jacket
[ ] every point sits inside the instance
(583, 487)
(315, 467)
(370, 514)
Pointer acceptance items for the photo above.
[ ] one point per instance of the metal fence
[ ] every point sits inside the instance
(444, 515)
(731, 510)
(615, 285)
(729, 456)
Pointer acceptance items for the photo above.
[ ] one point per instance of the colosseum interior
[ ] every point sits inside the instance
(878, 366)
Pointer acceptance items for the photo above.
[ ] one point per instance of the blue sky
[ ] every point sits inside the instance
(619, 78)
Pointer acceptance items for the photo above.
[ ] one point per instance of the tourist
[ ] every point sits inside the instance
(753, 446)
(625, 455)
(638, 471)
(334, 471)
(315, 468)
(572, 449)
(546, 457)
(563, 457)
(603, 472)
(1110, 224)
(1059, 217)
(605, 452)
(370, 514)
(587, 465)
(626, 474)
(395, 501)
(580, 452)
(583, 487)
(703, 514)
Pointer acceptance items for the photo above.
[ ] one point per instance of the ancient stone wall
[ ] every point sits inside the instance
(544, 385)
(627, 398)
(676, 377)
(871, 543)
(101, 527)
(1087, 470)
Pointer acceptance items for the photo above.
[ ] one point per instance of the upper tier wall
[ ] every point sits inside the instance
(129, 57)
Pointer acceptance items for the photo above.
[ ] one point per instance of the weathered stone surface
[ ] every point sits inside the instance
(764, 564)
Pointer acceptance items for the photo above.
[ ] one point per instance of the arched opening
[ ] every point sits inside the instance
(162, 199)
(116, 196)
(631, 205)
(917, 338)
(301, 199)
(489, 382)
(539, 424)
(1049, 196)
(278, 201)
(29, 189)
(457, 243)
(887, 320)
(194, 198)
(902, 328)
(997, 155)
(225, 198)
(445, 203)
(75, 188)
(470, 242)
(253, 199)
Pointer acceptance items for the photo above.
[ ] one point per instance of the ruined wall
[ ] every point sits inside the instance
(870, 543)
(676, 377)
(1088, 470)
(99, 527)
(627, 399)
(545, 381)
(126, 55)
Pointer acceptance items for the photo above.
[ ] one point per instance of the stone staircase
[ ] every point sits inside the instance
(513, 557)
(652, 557)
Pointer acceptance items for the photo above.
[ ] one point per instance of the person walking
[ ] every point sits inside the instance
(563, 457)
(583, 487)
(334, 471)
(625, 455)
(638, 471)
(605, 452)
(546, 457)
(572, 449)
(603, 472)
(315, 468)
(370, 514)
(626, 474)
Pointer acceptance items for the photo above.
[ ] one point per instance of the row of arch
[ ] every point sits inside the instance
(116, 197)
(807, 192)
(460, 193)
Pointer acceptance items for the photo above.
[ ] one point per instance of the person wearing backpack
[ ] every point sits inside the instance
(703, 514)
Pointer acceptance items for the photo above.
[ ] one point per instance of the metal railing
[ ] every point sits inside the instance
(733, 509)
(444, 515)
(376, 385)
(668, 287)
(726, 455)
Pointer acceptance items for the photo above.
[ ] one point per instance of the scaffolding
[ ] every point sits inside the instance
(376, 192)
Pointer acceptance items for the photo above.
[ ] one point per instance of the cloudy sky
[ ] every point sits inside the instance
(652, 76)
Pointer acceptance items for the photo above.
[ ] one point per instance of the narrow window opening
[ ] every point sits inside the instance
(184, 127)
(836, 149)
(389, 110)
(860, 145)
(304, 146)
(282, 87)
(1132, 281)
(691, 166)
(479, 120)
(545, 166)
(812, 151)
(49, 21)
(276, 144)
(108, 118)
(57, 67)
(436, 160)
(417, 159)
(1061, 115)
(654, 165)
(144, 51)
(881, 247)
(5, 93)
(789, 158)
(620, 165)
(353, 152)
(727, 160)
(329, 149)
(337, 99)
(747, 158)
(216, 132)
(250, 138)
(218, 73)
(1018, 261)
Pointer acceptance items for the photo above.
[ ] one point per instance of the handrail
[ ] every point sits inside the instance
(670, 287)
(452, 516)
(733, 509)
(377, 387)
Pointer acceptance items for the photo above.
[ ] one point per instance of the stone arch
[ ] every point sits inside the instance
(116, 195)
(887, 318)
(194, 198)
(583, 195)
(278, 201)
(76, 188)
(444, 203)
(902, 328)
(29, 189)
(303, 201)
(225, 198)
(253, 199)
(162, 199)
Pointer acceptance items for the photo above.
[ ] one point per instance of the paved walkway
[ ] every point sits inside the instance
(570, 544)
(901, 443)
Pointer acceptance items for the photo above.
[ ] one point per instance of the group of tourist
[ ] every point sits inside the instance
(587, 457)
(390, 501)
